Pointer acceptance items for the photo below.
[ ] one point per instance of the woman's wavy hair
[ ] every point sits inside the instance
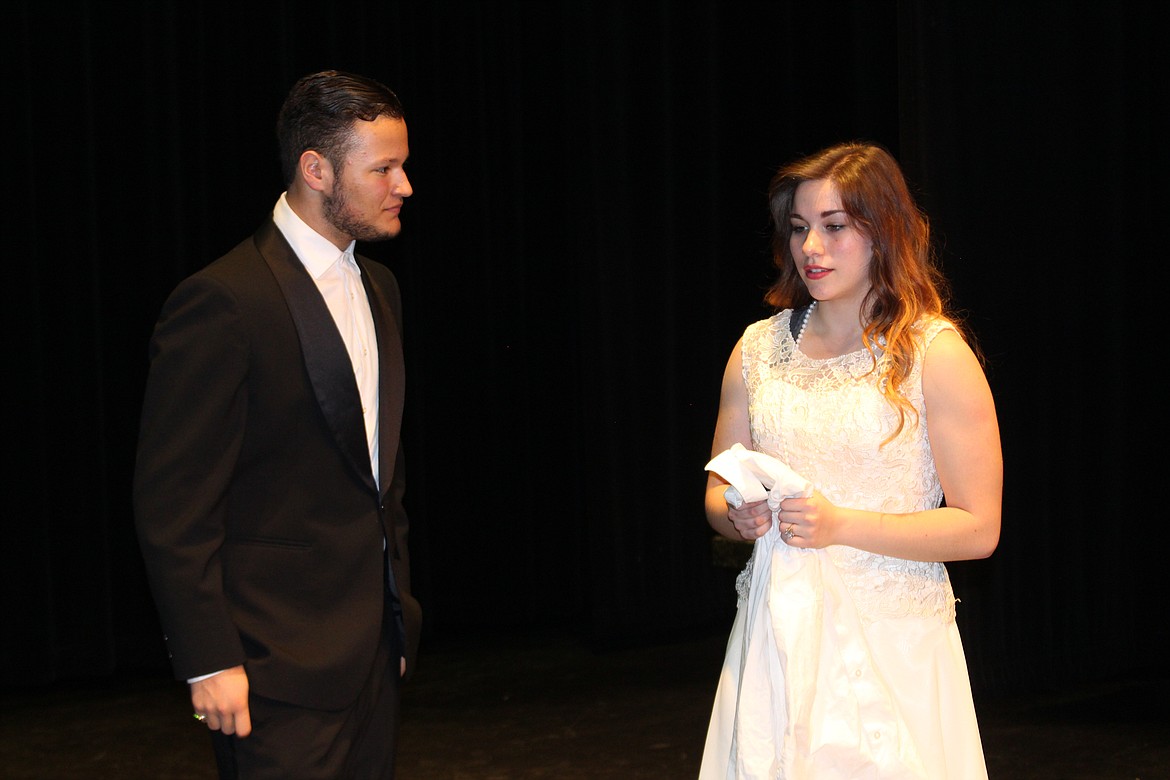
(905, 283)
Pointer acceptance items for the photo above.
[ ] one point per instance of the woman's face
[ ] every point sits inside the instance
(831, 253)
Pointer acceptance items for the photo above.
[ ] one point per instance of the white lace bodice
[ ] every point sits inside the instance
(827, 419)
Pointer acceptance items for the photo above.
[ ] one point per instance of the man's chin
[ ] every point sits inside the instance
(389, 230)
(373, 234)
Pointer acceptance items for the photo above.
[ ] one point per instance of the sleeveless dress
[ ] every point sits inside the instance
(841, 663)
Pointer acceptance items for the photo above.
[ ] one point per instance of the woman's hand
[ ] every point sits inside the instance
(808, 522)
(751, 521)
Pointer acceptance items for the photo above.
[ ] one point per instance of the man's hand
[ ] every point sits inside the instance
(223, 699)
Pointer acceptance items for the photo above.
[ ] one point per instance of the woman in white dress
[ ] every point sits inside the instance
(845, 660)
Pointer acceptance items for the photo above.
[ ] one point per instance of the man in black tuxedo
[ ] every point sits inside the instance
(268, 487)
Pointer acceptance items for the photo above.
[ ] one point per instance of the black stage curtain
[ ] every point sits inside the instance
(587, 240)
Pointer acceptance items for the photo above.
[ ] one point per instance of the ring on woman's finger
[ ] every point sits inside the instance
(789, 533)
(200, 717)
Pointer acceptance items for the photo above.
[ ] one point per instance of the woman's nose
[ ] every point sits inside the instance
(812, 243)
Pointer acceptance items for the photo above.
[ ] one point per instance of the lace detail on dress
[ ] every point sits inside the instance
(743, 580)
(827, 419)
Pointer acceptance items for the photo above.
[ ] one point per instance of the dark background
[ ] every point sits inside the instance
(587, 240)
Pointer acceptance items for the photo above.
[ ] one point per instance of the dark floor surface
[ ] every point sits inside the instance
(513, 709)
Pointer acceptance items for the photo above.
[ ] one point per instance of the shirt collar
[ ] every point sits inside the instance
(315, 251)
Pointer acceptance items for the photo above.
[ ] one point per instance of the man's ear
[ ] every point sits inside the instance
(315, 171)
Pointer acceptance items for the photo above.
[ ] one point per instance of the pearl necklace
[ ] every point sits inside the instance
(804, 323)
(799, 334)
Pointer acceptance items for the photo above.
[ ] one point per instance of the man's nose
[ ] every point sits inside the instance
(403, 188)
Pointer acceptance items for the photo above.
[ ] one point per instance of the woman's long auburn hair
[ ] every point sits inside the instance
(905, 284)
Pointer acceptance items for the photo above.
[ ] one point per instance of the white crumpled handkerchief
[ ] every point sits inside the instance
(755, 476)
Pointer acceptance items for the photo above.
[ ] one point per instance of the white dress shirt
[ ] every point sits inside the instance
(338, 277)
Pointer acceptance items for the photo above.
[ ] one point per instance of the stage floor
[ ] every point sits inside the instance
(547, 707)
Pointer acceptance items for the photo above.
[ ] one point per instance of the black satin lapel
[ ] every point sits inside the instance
(391, 372)
(326, 359)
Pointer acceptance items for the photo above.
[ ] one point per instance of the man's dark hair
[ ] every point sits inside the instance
(319, 114)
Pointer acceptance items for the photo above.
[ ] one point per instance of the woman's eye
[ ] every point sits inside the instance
(834, 227)
(799, 229)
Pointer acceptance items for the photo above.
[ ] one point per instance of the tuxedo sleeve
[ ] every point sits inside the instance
(190, 437)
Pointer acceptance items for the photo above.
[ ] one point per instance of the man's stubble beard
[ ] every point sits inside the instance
(337, 213)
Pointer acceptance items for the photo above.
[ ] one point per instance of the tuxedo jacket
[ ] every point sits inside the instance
(266, 541)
